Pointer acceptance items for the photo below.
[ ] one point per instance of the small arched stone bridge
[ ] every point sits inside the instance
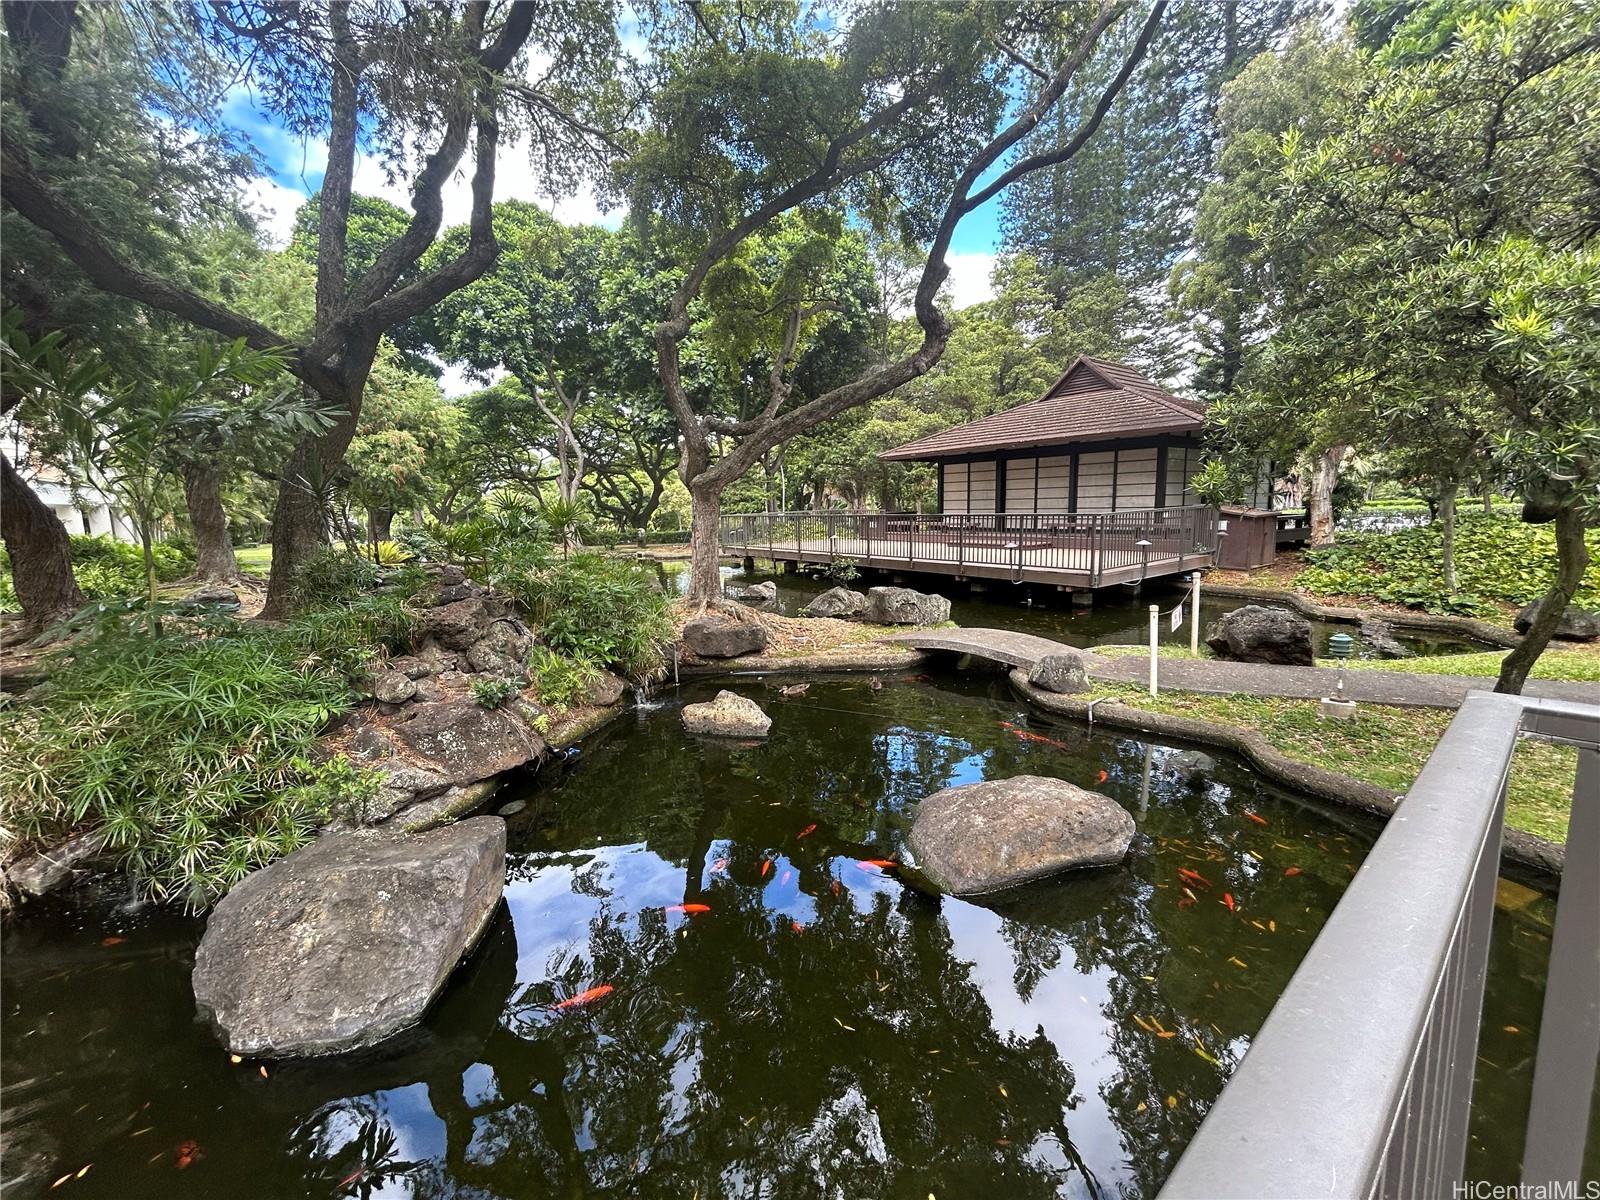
(998, 645)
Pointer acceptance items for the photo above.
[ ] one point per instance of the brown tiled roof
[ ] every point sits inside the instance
(1093, 401)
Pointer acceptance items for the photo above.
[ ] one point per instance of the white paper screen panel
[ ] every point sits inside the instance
(1020, 474)
(1136, 478)
(1055, 484)
(955, 487)
(1095, 475)
(980, 487)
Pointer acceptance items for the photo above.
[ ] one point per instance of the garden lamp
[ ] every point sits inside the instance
(1341, 646)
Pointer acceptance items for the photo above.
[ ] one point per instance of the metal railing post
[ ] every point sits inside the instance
(1569, 1034)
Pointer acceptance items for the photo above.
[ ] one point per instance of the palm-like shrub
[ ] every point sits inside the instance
(190, 743)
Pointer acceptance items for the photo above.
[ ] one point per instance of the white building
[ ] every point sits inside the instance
(82, 508)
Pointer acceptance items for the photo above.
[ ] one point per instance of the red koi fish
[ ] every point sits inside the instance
(1227, 899)
(806, 832)
(1193, 877)
(883, 864)
(189, 1153)
(112, 941)
(582, 998)
(1257, 818)
(1291, 872)
(1102, 777)
(691, 910)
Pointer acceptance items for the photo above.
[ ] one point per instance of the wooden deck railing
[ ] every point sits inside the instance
(1091, 543)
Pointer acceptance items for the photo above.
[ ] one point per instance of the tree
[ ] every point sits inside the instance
(440, 76)
(763, 115)
(132, 439)
(1453, 218)
(1121, 213)
(407, 431)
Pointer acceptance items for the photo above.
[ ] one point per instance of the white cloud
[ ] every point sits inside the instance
(969, 278)
(455, 382)
(274, 205)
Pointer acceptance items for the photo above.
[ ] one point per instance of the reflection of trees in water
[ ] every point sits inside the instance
(856, 1054)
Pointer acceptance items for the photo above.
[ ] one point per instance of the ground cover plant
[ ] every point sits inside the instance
(1499, 560)
(190, 741)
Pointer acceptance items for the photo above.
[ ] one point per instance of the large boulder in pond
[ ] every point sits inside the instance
(1576, 625)
(836, 602)
(1062, 673)
(904, 606)
(348, 941)
(717, 635)
(987, 837)
(465, 742)
(757, 595)
(728, 715)
(1259, 634)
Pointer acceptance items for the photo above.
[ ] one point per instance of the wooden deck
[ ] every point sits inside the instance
(1078, 551)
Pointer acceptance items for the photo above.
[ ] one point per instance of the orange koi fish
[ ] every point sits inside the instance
(1193, 877)
(692, 910)
(836, 887)
(1102, 777)
(112, 941)
(806, 832)
(720, 865)
(883, 864)
(784, 878)
(766, 865)
(1291, 872)
(582, 998)
(1257, 818)
(1227, 899)
(797, 927)
(189, 1153)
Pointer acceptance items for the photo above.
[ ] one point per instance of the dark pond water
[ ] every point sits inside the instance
(821, 1031)
(1114, 618)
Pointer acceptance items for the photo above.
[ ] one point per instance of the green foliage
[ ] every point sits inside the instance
(602, 610)
(190, 741)
(389, 553)
(1218, 482)
(493, 691)
(561, 680)
(107, 569)
(332, 575)
(842, 571)
(1498, 558)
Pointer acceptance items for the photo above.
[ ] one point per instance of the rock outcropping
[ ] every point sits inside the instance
(348, 941)
(1577, 625)
(763, 595)
(987, 837)
(836, 602)
(1379, 641)
(1062, 673)
(717, 635)
(904, 606)
(1259, 634)
(729, 715)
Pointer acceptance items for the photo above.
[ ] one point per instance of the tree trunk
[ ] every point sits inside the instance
(379, 523)
(41, 553)
(705, 577)
(1319, 502)
(1447, 533)
(1572, 560)
(213, 549)
(300, 517)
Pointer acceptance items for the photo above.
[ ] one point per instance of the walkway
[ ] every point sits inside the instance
(1399, 688)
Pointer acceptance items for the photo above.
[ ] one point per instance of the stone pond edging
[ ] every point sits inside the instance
(1524, 849)
(1470, 627)
(872, 656)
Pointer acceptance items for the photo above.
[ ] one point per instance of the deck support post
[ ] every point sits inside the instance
(749, 565)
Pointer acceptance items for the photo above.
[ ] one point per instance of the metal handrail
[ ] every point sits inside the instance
(1360, 1081)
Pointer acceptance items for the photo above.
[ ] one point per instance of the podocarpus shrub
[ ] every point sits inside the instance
(602, 610)
(189, 741)
(1498, 558)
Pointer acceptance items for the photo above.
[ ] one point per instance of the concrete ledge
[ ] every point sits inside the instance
(1523, 849)
(1470, 627)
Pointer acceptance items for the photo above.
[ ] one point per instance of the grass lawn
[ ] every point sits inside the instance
(255, 559)
(1382, 746)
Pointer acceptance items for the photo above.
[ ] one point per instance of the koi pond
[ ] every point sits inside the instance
(818, 1030)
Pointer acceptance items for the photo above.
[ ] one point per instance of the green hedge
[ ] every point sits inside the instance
(1499, 560)
(107, 569)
